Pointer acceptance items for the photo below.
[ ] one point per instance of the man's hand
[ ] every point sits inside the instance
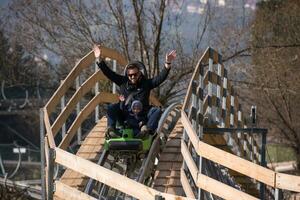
(169, 58)
(97, 51)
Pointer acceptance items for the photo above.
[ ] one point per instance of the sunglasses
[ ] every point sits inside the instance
(133, 74)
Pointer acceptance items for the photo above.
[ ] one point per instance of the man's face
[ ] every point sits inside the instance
(133, 75)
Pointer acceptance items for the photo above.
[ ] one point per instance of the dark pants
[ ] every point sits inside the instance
(115, 114)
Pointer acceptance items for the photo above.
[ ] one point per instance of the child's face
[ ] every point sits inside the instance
(136, 109)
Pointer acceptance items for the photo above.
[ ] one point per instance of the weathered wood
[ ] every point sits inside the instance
(86, 111)
(109, 177)
(64, 191)
(288, 182)
(220, 189)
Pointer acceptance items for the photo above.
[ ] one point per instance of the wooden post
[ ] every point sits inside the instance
(200, 120)
(42, 149)
(63, 105)
(263, 162)
(96, 93)
(51, 174)
(78, 111)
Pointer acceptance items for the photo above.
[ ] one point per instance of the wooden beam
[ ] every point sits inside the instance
(48, 130)
(222, 190)
(102, 97)
(203, 58)
(189, 160)
(236, 163)
(227, 159)
(64, 191)
(288, 182)
(85, 62)
(110, 178)
(213, 102)
(189, 129)
(83, 89)
(186, 185)
(214, 78)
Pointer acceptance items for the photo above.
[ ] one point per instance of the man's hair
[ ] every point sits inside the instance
(136, 65)
(132, 66)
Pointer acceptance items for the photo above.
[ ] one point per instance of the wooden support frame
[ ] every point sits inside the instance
(81, 65)
(226, 159)
(84, 88)
(86, 111)
(288, 182)
(64, 191)
(48, 130)
(220, 189)
(109, 177)
(50, 174)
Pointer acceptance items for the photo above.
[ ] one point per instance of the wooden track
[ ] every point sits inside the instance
(90, 149)
(167, 174)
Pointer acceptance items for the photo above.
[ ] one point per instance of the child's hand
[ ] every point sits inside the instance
(121, 98)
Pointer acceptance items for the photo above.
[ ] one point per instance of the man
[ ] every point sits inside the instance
(134, 86)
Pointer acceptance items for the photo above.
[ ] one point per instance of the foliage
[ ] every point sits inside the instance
(16, 67)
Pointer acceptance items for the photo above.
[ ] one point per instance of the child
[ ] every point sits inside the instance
(136, 119)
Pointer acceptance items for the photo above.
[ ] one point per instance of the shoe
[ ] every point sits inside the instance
(111, 132)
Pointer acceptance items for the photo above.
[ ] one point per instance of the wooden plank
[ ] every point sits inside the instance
(288, 182)
(213, 102)
(86, 111)
(228, 160)
(48, 129)
(189, 129)
(236, 163)
(110, 178)
(189, 161)
(214, 78)
(64, 191)
(195, 74)
(222, 190)
(186, 185)
(65, 113)
(85, 62)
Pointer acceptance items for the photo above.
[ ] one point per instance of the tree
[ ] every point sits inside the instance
(140, 30)
(275, 50)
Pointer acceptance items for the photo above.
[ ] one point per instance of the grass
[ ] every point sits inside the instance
(279, 153)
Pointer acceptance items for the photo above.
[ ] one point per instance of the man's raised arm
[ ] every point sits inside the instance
(111, 75)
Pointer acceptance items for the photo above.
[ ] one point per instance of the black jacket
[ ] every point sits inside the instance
(141, 90)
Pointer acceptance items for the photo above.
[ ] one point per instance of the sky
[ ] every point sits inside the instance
(3, 2)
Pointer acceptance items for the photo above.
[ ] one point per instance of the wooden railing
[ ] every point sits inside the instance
(210, 102)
